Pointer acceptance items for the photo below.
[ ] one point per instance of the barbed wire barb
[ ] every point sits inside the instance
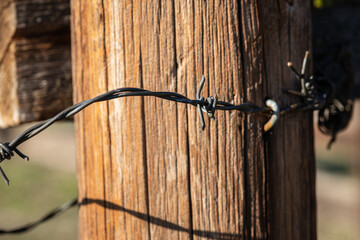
(209, 106)
(315, 93)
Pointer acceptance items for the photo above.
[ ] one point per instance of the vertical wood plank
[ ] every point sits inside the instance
(7, 25)
(9, 107)
(211, 34)
(292, 175)
(165, 122)
(119, 208)
(145, 167)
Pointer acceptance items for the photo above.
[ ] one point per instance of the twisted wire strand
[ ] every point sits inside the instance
(209, 106)
(45, 218)
(8, 149)
(127, 92)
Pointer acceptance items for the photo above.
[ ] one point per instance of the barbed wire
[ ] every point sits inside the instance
(315, 94)
(209, 106)
(313, 99)
(45, 218)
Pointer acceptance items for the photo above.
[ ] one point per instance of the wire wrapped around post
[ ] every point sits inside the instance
(315, 95)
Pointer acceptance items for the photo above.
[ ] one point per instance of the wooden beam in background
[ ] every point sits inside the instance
(35, 60)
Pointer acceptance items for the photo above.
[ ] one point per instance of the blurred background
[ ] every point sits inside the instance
(336, 53)
(338, 182)
(49, 179)
(44, 183)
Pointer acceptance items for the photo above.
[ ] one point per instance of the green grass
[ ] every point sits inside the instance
(334, 166)
(35, 190)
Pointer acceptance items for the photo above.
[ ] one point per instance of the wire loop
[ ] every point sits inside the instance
(7, 152)
(275, 114)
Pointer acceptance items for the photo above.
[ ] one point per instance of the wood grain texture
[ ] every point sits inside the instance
(9, 107)
(7, 25)
(145, 168)
(8, 104)
(39, 16)
(43, 75)
(292, 200)
(39, 34)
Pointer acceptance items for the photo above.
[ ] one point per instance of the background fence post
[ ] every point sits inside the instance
(145, 168)
(35, 60)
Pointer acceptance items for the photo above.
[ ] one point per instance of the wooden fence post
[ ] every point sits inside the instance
(145, 168)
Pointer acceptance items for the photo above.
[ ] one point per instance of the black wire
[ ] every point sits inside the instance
(127, 92)
(7, 149)
(45, 218)
(210, 105)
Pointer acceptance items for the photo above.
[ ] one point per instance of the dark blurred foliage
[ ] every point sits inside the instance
(336, 52)
(336, 44)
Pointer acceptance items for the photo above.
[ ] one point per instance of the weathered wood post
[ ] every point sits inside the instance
(35, 60)
(145, 168)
